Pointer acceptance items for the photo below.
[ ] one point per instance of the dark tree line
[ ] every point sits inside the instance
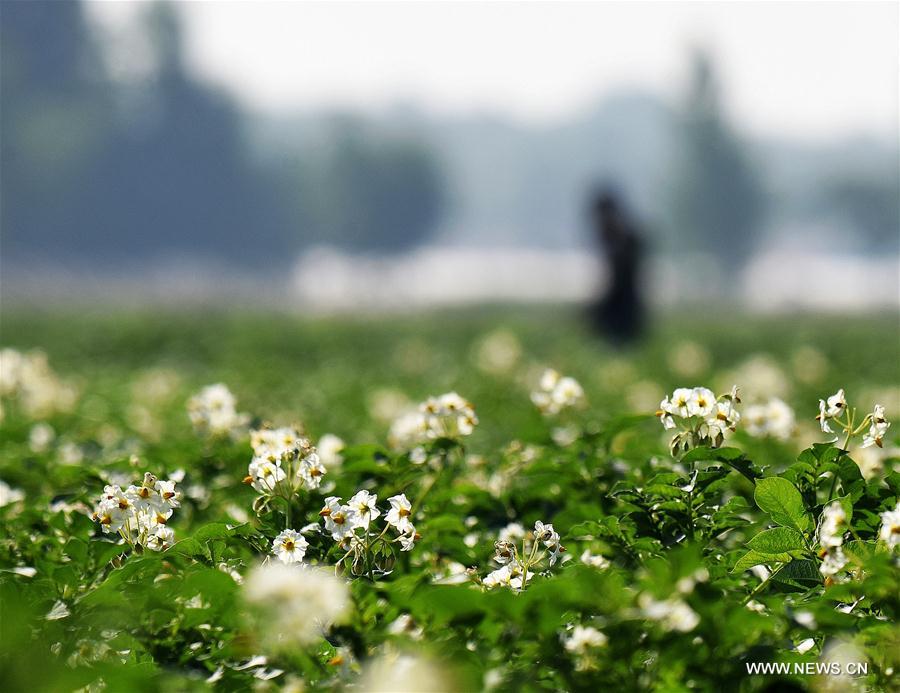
(86, 179)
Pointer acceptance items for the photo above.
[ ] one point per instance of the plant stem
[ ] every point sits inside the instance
(765, 582)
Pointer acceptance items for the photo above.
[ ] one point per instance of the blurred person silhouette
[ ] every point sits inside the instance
(619, 313)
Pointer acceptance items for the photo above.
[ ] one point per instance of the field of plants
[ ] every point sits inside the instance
(469, 500)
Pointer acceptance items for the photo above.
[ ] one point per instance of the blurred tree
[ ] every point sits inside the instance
(83, 179)
(376, 193)
(184, 173)
(870, 205)
(719, 204)
(55, 114)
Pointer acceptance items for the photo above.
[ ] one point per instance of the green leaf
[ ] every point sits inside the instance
(781, 499)
(733, 457)
(799, 571)
(664, 491)
(754, 558)
(777, 541)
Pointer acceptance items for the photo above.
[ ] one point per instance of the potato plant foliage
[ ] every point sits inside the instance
(478, 500)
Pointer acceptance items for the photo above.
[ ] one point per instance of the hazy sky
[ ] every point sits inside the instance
(811, 69)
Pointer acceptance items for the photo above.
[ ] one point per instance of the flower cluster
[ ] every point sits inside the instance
(28, 378)
(878, 426)
(774, 419)
(295, 604)
(139, 514)
(556, 392)
(701, 417)
(835, 410)
(518, 567)
(213, 412)
(446, 416)
(352, 526)
(831, 539)
(283, 463)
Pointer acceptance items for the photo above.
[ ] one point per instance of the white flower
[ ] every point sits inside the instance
(447, 416)
(724, 418)
(837, 404)
(330, 448)
(830, 409)
(680, 403)
(110, 516)
(213, 412)
(295, 603)
(273, 443)
(405, 625)
(498, 352)
(40, 437)
(398, 515)
(264, 474)
(665, 415)
(160, 538)
(556, 392)
(509, 575)
(594, 560)
(408, 538)
(773, 419)
(703, 418)
(311, 470)
(168, 496)
(394, 672)
(8, 494)
(340, 520)
(408, 430)
(514, 531)
(289, 546)
(871, 460)
(549, 537)
(544, 533)
(363, 504)
(805, 646)
(504, 551)
(877, 429)
(672, 613)
(28, 378)
(833, 562)
(150, 522)
(145, 497)
(585, 638)
(701, 402)
(890, 527)
(139, 514)
(834, 524)
(822, 418)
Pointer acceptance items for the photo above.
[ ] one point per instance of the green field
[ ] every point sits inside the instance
(81, 609)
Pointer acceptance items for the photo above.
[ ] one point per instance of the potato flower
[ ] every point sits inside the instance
(556, 393)
(294, 604)
(701, 417)
(213, 412)
(289, 546)
(890, 527)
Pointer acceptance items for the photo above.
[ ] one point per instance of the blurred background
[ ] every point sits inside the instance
(335, 156)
